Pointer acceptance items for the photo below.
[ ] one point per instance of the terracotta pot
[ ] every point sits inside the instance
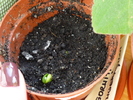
(130, 80)
(19, 21)
(132, 44)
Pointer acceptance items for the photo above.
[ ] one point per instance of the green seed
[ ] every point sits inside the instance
(66, 52)
(47, 78)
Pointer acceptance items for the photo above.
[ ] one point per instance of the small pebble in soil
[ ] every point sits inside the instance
(27, 55)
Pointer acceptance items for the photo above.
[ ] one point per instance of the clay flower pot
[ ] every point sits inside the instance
(132, 44)
(130, 80)
(22, 18)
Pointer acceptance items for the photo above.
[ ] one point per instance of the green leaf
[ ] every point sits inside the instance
(5, 6)
(112, 16)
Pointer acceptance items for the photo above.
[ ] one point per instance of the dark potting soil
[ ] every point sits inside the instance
(66, 47)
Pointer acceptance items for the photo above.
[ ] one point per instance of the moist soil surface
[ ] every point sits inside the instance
(66, 47)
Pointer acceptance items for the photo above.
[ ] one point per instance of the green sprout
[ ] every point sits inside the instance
(47, 78)
(66, 52)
